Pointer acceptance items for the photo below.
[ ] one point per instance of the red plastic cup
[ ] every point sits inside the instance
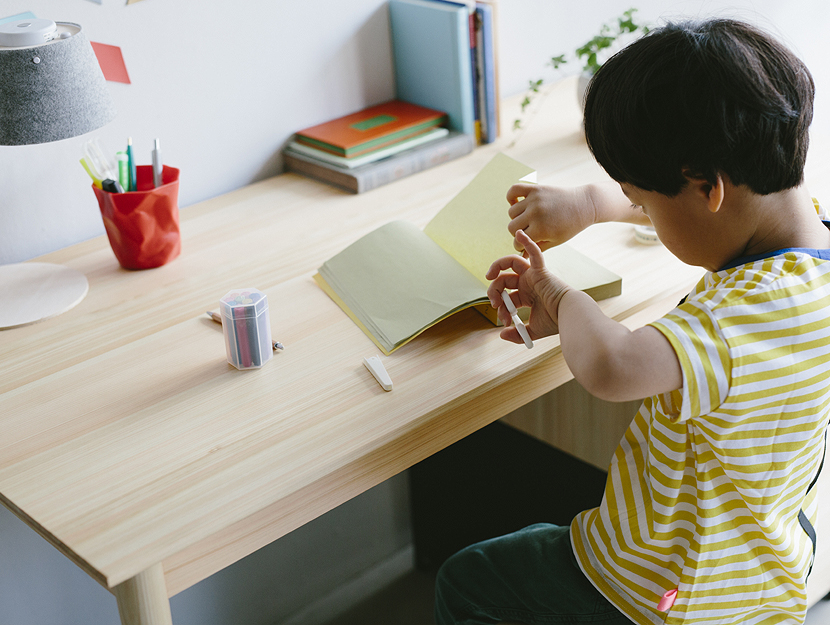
(143, 225)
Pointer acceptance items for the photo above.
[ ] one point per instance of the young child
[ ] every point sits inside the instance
(708, 509)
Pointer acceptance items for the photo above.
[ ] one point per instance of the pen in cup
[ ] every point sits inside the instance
(123, 170)
(131, 165)
(157, 166)
(98, 164)
(95, 179)
(218, 319)
(112, 186)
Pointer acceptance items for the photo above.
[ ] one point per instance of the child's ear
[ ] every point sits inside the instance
(711, 193)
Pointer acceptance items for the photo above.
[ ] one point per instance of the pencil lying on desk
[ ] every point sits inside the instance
(218, 319)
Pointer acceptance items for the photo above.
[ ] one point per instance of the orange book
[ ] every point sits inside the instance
(372, 128)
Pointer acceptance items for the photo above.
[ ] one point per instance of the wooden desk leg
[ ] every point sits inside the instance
(143, 600)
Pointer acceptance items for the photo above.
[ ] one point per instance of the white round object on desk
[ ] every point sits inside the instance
(31, 292)
(646, 235)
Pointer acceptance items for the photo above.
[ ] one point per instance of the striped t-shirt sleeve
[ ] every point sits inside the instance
(704, 359)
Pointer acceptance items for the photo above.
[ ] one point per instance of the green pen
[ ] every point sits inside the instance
(123, 170)
(131, 163)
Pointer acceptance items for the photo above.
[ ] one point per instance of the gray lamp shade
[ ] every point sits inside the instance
(52, 91)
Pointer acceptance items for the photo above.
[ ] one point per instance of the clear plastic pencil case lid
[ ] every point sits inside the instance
(247, 328)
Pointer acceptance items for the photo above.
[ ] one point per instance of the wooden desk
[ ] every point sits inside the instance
(133, 447)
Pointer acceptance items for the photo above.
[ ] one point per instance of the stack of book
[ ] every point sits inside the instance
(445, 58)
(446, 85)
(375, 146)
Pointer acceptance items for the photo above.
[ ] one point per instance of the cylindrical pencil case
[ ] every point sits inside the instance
(247, 328)
(143, 225)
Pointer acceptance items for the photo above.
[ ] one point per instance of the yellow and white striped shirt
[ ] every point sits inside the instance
(704, 492)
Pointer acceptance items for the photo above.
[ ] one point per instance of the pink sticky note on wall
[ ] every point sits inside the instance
(111, 61)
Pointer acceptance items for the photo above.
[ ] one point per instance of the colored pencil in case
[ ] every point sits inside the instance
(218, 319)
(241, 337)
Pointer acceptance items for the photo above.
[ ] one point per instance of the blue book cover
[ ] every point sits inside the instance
(431, 45)
(487, 57)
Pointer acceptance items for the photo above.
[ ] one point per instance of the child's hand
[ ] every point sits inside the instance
(548, 215)
(536, 288)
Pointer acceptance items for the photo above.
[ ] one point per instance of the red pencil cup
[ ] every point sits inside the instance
(143, 225)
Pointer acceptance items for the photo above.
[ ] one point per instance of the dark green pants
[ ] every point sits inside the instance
(530, 576)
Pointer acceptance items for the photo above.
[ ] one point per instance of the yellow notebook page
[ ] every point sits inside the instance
(472, 227)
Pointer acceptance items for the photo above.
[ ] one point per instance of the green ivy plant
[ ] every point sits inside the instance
(589, 54)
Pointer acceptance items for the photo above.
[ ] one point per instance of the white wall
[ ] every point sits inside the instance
(223, 85)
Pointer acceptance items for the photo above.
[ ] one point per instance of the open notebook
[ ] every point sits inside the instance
(398, 280)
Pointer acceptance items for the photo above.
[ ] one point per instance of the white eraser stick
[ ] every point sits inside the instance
(514, 314)
(508, 301)
(375, 366)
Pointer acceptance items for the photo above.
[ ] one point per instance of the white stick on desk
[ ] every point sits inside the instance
(377, 369)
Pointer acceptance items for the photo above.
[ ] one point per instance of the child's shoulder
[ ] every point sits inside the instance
(770, 283)
(763, 300)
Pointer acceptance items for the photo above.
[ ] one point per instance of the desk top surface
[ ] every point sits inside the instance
(128, 440)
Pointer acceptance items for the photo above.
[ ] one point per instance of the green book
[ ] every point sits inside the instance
(398, 280)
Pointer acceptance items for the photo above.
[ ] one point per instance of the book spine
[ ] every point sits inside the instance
(493, 57)
(374, 175)
(488, 63)
(475, 76)
(481, 95)
(424, 158)
(306, 167)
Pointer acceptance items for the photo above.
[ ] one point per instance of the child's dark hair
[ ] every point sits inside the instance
(709, 97)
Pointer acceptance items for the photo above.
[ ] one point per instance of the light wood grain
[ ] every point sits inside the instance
(128, 440)
(178, 445)
(142, 600)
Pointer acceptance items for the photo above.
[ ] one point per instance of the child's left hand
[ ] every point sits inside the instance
(536, 288)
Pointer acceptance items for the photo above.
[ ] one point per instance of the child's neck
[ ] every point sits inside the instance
(779, 220)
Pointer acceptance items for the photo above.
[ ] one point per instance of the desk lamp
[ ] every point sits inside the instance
(51, 88)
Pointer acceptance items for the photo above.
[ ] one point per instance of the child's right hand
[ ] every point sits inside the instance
(548, 215)
(535, 287)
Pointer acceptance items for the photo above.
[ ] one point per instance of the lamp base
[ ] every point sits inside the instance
(31, 292)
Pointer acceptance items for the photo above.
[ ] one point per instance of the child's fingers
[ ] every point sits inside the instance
(534, 254)
(512, 299)
(513, 263)
(528, 230)
(518, 223)
(511, 334)
(517, 209)
(518, 191)
(499, 284)
(521, 224)
(518, 247)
